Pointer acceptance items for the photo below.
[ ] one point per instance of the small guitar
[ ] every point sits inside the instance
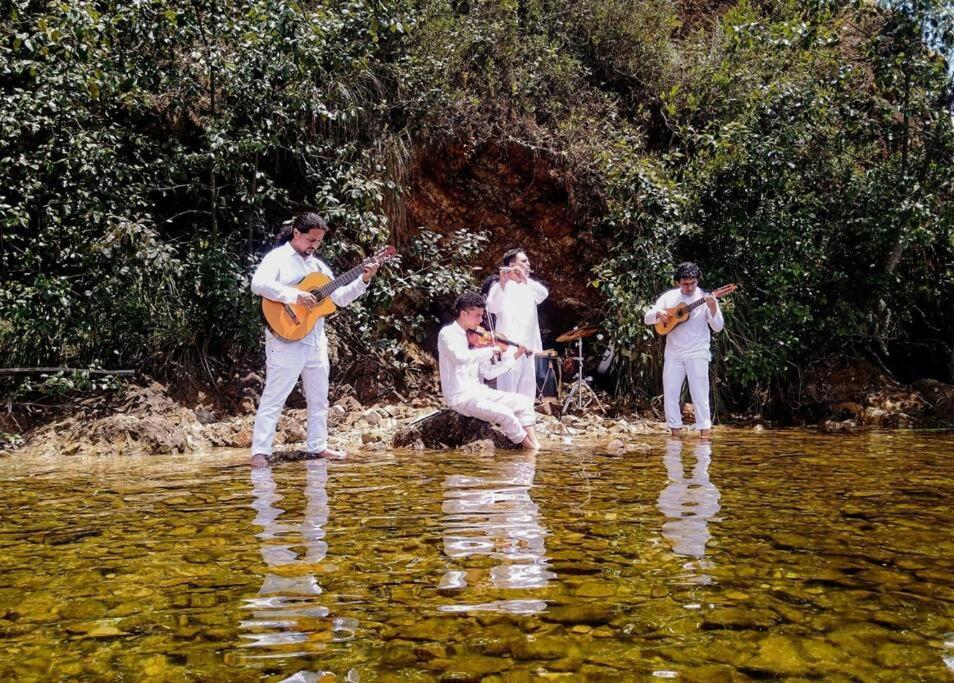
(680, 314)
(292, 322)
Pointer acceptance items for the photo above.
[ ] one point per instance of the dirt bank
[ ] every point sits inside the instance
(161, 419)
(149, 421)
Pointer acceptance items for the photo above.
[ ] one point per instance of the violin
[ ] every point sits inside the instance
(479, 338)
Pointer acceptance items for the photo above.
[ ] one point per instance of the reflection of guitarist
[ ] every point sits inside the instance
(687, 347)
(283, 266)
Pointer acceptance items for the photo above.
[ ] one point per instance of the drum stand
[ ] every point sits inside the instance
(582, 393)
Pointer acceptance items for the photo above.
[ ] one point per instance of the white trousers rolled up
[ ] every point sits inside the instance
(521, 379)
(512, 413)
(285, 363)
(675, 372)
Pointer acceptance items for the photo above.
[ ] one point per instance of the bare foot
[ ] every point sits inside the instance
(532, 435)
(259, 460)
(331, 454)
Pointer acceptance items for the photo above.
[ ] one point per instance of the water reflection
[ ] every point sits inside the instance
(492, 516)
(287, 617)
(689, 504)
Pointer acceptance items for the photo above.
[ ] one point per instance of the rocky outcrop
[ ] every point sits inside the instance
(847, 397)
(939, 396)
(148, 420)
(519, 199)
(447, 429)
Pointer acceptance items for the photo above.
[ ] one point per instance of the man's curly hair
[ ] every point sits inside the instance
(469, 300)
(687, 270)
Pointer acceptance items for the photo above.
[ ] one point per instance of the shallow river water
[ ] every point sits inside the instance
(778, 555)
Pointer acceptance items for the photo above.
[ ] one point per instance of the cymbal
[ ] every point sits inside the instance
(577, 333)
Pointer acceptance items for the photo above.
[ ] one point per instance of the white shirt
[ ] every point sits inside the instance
(283, 267)
(691, 338)
(462, 366)
(515, 306)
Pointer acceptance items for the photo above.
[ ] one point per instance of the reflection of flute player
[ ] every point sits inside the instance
(688, 502)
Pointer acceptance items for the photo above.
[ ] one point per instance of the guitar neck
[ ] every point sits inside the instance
(695, 304)
(340, 281)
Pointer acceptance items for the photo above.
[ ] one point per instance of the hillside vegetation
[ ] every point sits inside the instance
(149, 150)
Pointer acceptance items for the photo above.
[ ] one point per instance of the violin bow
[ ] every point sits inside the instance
(493, 331)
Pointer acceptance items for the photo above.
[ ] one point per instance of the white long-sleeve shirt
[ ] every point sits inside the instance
(690, 339)
(461, 366)
(515, 305)
(282, 267)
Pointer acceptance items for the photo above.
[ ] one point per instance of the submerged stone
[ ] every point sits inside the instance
(711, 673)
(88, 608)
(579, 614)
(473, 667)
(595, 589)
(545, 647)
(437, 629)
(739, 618)
(779, 655)
(897, 656)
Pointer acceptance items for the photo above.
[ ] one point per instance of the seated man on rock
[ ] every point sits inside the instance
(461, 366)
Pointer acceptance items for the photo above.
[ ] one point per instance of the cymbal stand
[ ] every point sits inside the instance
(581, 393)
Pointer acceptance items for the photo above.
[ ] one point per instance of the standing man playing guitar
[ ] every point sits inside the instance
(283, 266)
(687, 347)
(514, 300)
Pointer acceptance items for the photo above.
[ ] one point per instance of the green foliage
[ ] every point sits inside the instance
(150, 149)
(823, 189)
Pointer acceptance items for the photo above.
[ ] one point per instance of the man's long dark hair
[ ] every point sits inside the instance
(303, 222)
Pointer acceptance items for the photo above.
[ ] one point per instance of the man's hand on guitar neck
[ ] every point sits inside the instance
(711, 303)
(370, 270)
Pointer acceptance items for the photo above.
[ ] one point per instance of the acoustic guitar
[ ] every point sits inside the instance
(291, 322)
(680, 313)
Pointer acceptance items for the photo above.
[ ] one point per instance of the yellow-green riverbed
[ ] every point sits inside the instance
(770, 556)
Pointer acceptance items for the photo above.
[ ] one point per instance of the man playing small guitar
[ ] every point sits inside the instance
(687, 346)
(283, 266)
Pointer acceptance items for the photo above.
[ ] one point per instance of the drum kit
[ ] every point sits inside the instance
(581, 394)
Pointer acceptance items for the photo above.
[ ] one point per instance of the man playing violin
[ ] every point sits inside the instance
(687, 348)
(461, 366)
(514, 300)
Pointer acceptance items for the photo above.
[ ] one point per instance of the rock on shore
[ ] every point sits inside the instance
(149, 422)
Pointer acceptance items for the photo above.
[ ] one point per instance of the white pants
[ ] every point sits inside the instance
(675, 372)
(285, 363)
(510, 412)
(521, 379)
